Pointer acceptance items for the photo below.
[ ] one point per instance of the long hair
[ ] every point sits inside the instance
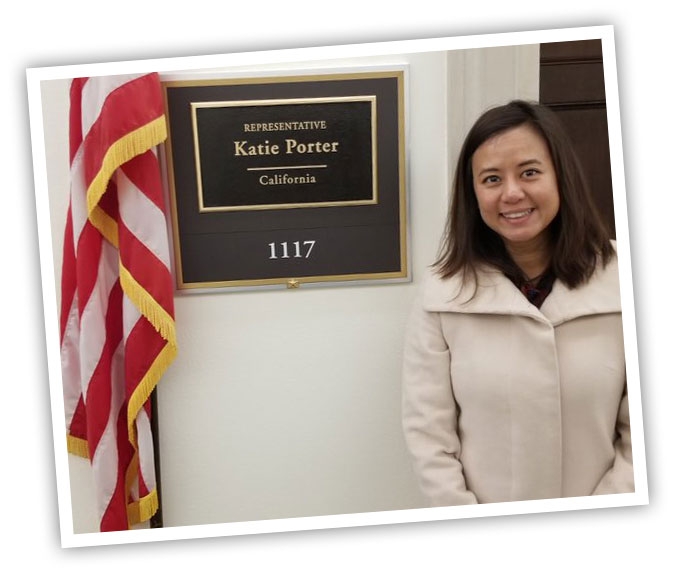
(579, 237)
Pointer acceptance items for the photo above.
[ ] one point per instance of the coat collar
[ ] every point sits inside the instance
(496, 294)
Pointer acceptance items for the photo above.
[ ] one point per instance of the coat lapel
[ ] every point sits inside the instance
(600, 295)
(496, 294)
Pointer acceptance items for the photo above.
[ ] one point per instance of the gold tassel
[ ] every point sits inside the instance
(78, 447)
(149, 307)
(145, 388)
(131, 145)
(143, 509)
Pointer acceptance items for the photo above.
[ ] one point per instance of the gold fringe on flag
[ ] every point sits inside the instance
(149, 307)
(144, 507)
(78, 447)
(129, 146)
(145, 388)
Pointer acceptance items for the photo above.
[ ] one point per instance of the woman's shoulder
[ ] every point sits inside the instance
(463, 292)
(608, 272)
(600, 294)
(437, 291)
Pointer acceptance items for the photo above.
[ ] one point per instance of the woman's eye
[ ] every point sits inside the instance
(490, 179)
(530, 172)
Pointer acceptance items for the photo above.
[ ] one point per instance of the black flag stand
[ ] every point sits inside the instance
(156, 519)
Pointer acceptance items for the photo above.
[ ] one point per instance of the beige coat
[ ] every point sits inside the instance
(505, 402)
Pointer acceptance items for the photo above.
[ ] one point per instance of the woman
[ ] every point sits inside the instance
(514, 383)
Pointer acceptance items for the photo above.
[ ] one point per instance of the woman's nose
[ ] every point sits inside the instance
(513, 191)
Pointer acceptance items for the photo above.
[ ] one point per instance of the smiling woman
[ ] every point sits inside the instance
(514, 382)
(576, 236)
(516, 189)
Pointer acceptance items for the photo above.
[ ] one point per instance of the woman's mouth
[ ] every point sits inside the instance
(517, 214)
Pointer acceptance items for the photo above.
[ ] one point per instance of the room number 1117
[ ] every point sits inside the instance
(296, 249)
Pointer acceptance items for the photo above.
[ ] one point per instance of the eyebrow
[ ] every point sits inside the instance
(520, 165)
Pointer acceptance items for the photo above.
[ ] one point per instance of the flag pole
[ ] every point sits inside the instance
(156, 521)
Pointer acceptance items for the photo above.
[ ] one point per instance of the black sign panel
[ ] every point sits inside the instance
(287, 180)
(256, 155)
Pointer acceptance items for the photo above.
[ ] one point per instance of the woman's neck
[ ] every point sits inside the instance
(532, 257)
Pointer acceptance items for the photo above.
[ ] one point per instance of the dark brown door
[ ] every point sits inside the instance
(572, 84)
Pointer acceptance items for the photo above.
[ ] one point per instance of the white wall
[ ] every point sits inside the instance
(286, 403)
(480, 78)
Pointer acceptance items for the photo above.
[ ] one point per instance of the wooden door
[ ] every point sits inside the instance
(572, 84)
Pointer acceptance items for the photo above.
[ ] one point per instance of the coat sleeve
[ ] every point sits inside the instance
(619, 478)
(429, 412)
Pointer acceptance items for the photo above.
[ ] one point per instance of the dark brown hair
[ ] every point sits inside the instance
(578, 234)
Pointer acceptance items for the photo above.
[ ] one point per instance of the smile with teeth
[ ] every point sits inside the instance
(519, 214)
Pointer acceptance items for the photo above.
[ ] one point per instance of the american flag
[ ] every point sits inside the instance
(117, 312)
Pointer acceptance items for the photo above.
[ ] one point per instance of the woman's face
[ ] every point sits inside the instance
(516, 186)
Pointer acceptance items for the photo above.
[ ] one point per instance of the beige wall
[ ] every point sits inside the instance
(287, 403)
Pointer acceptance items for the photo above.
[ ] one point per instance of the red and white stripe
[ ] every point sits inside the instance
(117, 315)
